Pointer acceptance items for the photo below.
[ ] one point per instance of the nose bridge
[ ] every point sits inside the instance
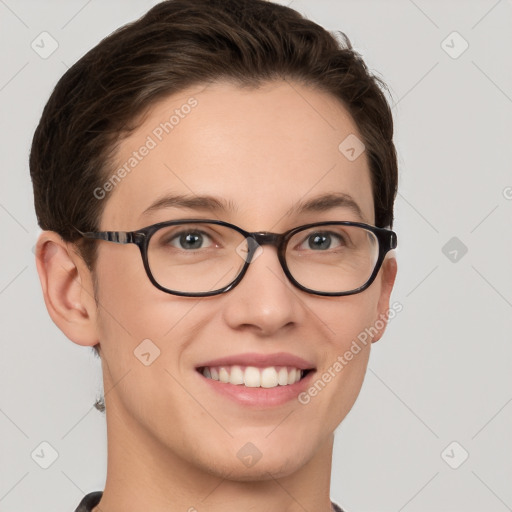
(261, 238)
(267, 238)
(263, 299)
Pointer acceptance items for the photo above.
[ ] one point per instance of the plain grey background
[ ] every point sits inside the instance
(431, 428)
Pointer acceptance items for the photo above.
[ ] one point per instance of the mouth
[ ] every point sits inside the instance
(257, 380)
(255, 377)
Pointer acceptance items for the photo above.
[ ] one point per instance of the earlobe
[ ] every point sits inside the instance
(388, 271)
(67, 288)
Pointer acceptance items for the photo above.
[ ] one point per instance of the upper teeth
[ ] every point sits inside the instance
(254, 377)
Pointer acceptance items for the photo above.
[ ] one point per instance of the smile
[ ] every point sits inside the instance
(254, 377)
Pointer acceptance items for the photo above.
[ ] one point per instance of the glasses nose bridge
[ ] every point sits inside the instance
(266, 238)
(260, 238)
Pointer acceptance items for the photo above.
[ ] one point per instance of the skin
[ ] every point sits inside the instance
(172, 441)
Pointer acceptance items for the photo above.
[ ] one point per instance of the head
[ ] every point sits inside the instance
(250, 103)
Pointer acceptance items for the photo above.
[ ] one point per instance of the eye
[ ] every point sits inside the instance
(322, 240)
(190, 239)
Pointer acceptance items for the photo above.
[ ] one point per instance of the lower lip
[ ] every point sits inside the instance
(260, 397)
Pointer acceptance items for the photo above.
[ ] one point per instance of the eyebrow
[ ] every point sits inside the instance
(327, 202)
(209, 203)
(205, 203)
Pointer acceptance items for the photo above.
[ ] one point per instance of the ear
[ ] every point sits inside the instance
(67, 288)
(387, 277)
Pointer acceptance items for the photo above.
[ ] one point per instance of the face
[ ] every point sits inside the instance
(260, 152)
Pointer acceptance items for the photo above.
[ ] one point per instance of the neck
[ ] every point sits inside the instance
(143, 474)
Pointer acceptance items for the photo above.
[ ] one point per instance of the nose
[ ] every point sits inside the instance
(264, 301)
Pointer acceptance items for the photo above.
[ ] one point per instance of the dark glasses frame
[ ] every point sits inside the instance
(387, 240)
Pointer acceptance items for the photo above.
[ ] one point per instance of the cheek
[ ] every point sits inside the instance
(136, 319)
(131, 309)
(348, 318)
(122, 291)
(143, 333)
(347, 322)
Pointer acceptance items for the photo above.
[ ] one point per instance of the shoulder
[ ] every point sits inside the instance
(336, 507)
(89, 501)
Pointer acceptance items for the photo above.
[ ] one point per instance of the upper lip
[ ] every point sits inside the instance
(260, 360)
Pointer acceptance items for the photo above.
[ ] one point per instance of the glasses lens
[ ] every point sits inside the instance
(332, 258)
(196, 257)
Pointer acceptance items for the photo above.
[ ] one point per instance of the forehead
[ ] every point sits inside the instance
(261, 151)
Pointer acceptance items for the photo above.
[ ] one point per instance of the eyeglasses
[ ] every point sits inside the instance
(200, 258)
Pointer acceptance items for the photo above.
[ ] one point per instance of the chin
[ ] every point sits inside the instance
(261, 471)
(257, 462)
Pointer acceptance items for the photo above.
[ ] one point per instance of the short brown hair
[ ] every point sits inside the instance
(177, 44)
